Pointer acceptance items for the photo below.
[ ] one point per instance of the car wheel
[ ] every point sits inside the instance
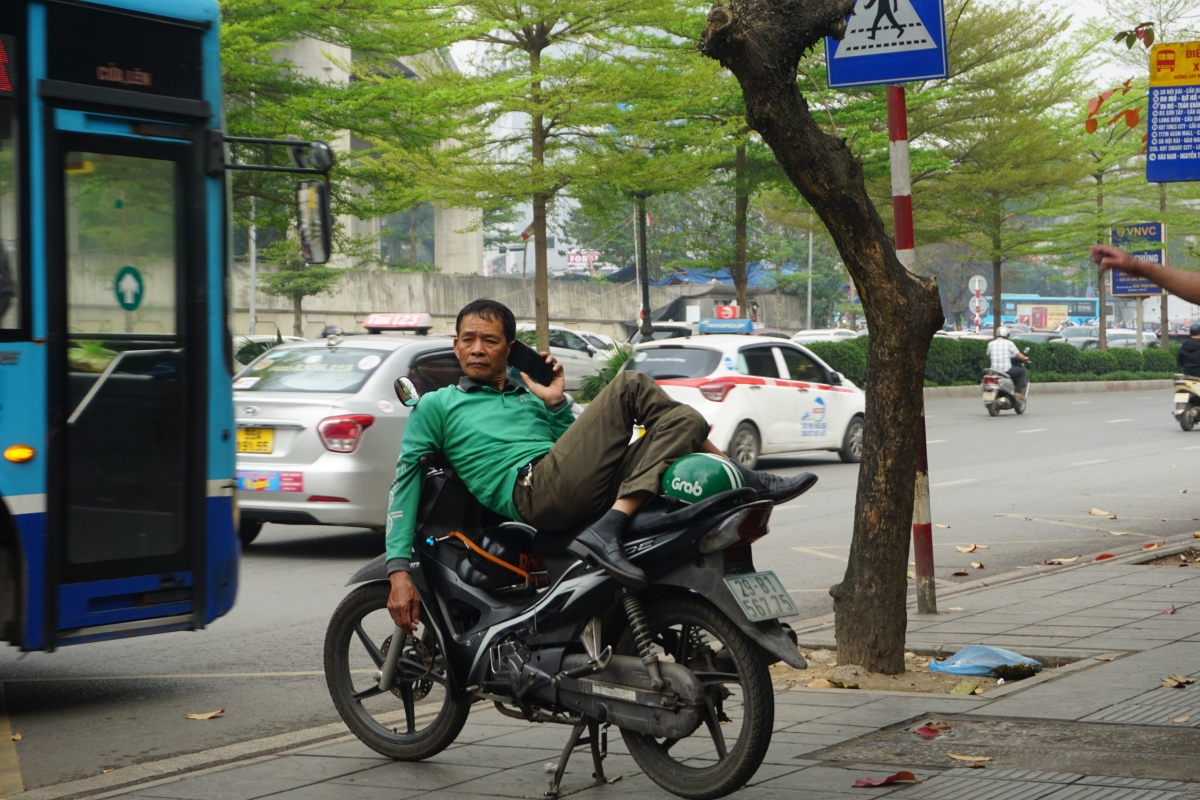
(248, 530)
(852, 442)
(744, 445)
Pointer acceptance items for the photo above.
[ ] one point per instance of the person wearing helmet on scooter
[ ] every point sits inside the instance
(1001, 351)
(1188, 358)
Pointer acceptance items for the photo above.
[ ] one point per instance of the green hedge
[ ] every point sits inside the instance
(961, 362)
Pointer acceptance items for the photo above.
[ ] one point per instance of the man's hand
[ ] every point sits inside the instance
(1115, 258)
(403, 602)
(554, 392)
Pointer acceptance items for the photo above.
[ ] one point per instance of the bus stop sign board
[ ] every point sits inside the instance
(1173, 136)
(890, 41)
(1143, 235)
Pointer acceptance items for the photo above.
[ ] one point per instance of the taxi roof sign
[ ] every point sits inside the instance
(726, 326)
(420, 322)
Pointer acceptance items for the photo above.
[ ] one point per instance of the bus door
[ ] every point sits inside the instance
(126, 491)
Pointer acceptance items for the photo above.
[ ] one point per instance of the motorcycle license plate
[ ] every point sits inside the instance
(990, 394)
(761, 595)
(1181, 397)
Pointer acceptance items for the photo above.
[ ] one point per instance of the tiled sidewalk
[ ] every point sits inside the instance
(1070, 615)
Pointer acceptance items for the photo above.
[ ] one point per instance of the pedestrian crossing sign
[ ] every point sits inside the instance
(889, 41)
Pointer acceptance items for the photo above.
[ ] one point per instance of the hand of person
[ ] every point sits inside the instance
(1115, 258)
(554, 392)
(403, 602)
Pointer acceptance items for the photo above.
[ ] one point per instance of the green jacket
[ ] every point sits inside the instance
(486, 436)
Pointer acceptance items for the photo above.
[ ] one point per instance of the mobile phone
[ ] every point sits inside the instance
(529, 361)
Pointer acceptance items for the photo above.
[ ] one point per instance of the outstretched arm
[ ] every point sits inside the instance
(1176, 281)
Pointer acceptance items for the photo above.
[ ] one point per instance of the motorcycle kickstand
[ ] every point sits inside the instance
(574, 740)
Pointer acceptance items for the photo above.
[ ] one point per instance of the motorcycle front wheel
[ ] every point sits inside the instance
(415, 718)
(1187, 420)
(724, 752)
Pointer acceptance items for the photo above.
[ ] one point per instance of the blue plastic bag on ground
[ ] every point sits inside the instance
(977, 660)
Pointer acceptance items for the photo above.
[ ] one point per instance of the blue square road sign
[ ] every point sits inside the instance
(890, 41)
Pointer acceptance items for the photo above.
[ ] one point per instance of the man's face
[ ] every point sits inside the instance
(482, 348)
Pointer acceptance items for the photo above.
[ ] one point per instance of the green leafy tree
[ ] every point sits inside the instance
(296, 280)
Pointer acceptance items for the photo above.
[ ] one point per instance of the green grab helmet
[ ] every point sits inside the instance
(700, 475)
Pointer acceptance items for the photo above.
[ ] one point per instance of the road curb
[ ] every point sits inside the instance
(1133, 554)
(1066, 387)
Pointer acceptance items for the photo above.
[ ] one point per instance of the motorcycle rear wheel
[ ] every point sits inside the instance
(993, 409)
(1187, 420)
(689, 630)
(356, 643)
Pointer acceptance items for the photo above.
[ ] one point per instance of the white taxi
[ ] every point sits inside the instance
(760, 395)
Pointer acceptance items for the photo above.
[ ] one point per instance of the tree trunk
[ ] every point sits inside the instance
(297, 315)
(761, 42)
(541, 276)
(741, 207)
(997, 292)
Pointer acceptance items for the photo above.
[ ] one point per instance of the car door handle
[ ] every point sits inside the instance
(801, 389)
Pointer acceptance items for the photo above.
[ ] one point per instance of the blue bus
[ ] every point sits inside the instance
(116, 418)
(1047, 313)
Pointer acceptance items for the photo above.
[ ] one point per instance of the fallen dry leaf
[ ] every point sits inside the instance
(16, 737)
(1196, 535)
(959, 574)
(206, 715)
(940, 525)
(1177, 682)
(971, 548)
(1071, 560)
(1150, 546)
(911, 576)
(1170, 610)
(1103, 556)
(1119, 533)
(903, 776)
(928, 732)
(976, 565)
(106, 771)
(1095, 512)
(1104, 658)
(1181, 720)
(940, 727)
(976, 759)
(1182, 678)
(956, 608)
(820, 683)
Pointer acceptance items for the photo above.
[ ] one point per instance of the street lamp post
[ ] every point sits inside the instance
(643, 266)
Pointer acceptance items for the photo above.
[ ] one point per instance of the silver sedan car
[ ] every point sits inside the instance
(319, 427)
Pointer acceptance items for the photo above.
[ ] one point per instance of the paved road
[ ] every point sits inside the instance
(1021, 485)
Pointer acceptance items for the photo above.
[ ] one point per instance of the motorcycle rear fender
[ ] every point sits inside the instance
(706, 577)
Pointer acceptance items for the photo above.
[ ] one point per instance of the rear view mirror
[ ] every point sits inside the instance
(1026, 350)
(835, 378)
(316, 222)
(406, 392)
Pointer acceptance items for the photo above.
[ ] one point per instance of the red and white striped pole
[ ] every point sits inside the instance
(902, 214)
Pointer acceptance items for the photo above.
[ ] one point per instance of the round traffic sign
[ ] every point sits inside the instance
(978, 283)
(129, 288)
(977, 305)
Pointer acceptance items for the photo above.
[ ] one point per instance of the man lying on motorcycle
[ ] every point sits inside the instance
(521, 453)
(1002, 351)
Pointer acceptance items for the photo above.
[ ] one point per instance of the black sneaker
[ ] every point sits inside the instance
(603, 548)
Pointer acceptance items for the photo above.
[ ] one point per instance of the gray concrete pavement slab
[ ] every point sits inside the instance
(844, 698)
(483, 755)
(416, 775)
(325, 791)
(352, 748)
(223, 786)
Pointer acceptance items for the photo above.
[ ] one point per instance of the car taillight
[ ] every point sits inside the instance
(743, 526)
(715, 391)
(342, 434)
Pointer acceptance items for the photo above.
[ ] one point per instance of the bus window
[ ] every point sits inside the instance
(10, 220)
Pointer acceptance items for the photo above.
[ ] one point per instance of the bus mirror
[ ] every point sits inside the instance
(406, 392)
(312, 204)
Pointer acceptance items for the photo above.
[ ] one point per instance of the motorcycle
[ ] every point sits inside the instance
(508, 617)
(1187, 401)
(1000, 394)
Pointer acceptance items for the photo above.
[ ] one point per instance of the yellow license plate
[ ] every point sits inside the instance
(255, 440)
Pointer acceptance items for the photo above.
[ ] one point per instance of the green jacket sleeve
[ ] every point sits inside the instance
(422, 436)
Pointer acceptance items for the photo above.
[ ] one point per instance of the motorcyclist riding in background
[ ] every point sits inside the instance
(1001, 351)
(1188, 358)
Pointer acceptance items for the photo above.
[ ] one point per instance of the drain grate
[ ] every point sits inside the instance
(1017, 784)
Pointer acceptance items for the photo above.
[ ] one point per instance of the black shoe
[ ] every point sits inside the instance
(776, 488)
(602, 547)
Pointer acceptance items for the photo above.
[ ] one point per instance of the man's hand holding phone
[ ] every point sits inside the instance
(547, 383)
